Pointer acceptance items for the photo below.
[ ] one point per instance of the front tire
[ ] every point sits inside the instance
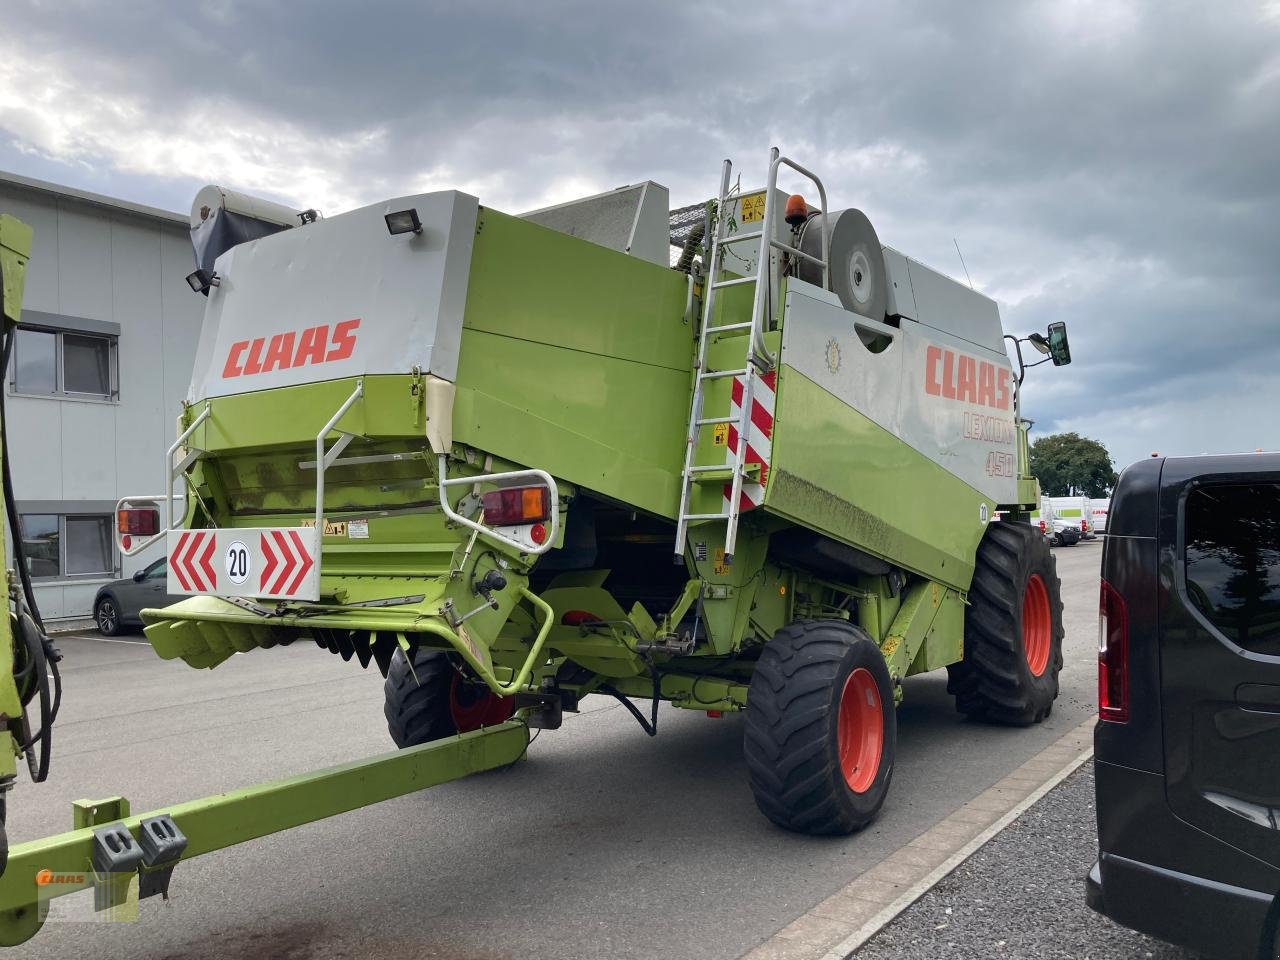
(106, 614)
(821, 728)
(436, 700)
(1012, 630)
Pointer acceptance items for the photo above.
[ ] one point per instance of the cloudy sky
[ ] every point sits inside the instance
(1112, 164)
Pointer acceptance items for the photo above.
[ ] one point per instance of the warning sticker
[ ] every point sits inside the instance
(720, 434)
(752, 208)
(358, 529)
(332, 528)
(719, 566)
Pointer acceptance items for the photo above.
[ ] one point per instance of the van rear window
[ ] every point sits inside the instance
(1232, 556)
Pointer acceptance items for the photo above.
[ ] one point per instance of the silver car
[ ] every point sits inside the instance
(119, 603)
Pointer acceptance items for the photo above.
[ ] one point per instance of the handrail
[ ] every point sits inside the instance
(534, 550)
(325, 460)
(761, 307)
(171, 471)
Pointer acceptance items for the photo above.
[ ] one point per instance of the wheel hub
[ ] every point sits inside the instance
(1037, 625)
(860, 730)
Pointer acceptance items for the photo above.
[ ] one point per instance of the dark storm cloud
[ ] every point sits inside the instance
(1110, 164)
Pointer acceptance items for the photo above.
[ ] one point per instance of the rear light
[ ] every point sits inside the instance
(142, 522)
(513, 505)
(1084, 526)
(1113, 656)
(1043, 528)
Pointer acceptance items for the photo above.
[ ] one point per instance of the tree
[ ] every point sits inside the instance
(1068, 465)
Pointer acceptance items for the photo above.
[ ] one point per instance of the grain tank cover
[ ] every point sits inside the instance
(222, 218)
(340, 297)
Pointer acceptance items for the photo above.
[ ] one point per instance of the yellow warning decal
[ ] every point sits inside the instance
(752, 208)
(332, 528)
(720, 434)
(719, 566)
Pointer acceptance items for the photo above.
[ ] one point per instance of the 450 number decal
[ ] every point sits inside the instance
(1000, 465)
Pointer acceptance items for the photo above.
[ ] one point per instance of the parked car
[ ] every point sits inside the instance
(1060, 532)
(118, 604)
(1187, 745)
(1075, 510)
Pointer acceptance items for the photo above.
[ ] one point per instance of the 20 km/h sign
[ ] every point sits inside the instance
(268, 563)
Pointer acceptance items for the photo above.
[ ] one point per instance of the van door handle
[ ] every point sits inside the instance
(1259, 697)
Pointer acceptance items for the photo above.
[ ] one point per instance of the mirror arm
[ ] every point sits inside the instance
(1017, 346)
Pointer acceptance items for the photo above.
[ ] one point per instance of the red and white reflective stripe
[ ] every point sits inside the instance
(190, 561)
(264, 563)
(759, 436)
(288, 555)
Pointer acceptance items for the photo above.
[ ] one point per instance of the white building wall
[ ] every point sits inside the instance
(93, 262)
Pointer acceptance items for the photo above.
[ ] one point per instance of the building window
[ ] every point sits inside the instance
(68, 545)
(63, 363)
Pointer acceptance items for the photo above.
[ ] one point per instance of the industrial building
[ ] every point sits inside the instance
(100, 366)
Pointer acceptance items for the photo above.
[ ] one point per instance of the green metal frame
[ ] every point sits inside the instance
(226, 819)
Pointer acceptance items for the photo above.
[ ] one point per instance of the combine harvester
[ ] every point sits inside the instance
(518, 461)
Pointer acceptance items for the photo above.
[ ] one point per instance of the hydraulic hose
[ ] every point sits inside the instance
(40, 654)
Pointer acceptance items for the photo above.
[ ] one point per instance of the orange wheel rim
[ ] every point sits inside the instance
(1037, 625)
(860, 730)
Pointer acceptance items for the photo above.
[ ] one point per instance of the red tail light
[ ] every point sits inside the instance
(1043, 528)
(1084, 526)
(143, 522)
(514, 505)
(1113, 656)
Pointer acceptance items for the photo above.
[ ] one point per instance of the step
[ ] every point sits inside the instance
(715, 475)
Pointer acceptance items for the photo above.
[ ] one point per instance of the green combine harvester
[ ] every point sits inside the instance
(737, 457)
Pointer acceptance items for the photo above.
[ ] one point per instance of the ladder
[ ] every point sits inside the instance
(757, 361)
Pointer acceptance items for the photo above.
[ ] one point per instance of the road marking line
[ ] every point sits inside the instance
(836, 928)
(132, 643)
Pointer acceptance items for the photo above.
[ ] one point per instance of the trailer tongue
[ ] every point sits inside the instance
(464, 446)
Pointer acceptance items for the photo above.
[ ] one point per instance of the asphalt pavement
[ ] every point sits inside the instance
(603, 844)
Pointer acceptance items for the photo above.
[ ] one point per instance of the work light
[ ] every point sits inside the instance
(403, 221)
(201, 280)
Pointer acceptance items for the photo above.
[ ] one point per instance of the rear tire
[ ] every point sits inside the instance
(821, 728)
(435, 700)
(1012, 630)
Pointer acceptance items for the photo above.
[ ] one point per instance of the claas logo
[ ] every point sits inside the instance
(958, 376)
(294, 348)
(47, 877)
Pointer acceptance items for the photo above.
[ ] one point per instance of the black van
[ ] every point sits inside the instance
(1187, 746)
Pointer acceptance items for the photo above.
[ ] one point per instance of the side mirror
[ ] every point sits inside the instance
(1059, 350)
(138, 575)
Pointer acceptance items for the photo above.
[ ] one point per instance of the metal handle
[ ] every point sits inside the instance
(325, 460)
(172, 470)
(489, 532)
(767, 242)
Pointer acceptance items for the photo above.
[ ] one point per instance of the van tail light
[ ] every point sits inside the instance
(516, 505)
(138, 521)
(1113, 656)
(1043, 528)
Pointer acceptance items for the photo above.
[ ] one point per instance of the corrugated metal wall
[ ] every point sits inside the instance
(101, 264)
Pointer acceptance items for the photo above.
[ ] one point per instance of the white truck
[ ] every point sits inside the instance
(1098, 510)
(1075, 510)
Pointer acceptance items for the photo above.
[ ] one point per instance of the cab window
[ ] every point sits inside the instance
(1232, 557)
